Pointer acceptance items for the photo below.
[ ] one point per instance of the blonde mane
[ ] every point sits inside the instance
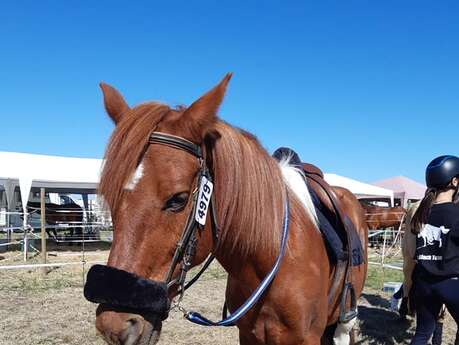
(250, 192)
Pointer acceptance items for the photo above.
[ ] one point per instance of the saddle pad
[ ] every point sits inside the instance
(334, 234)
(330, 226)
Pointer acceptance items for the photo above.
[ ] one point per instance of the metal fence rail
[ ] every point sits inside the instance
(95, 227)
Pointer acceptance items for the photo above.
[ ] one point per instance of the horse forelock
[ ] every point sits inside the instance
(125, 149)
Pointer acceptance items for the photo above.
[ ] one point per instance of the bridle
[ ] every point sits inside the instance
(186, 247)
(100, 279)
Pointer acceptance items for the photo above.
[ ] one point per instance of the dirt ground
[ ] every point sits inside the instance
(52, 310)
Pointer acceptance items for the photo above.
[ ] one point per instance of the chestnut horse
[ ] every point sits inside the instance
(150, 188)
(55, 214)
(383, 217)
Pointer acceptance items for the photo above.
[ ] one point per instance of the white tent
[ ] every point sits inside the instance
(56, 174)
(359, 189)
(81, 175)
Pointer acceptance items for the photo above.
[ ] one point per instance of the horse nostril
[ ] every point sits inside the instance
(133, 331)
(133, 322)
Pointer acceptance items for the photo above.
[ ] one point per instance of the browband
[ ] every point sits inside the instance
(178, 142)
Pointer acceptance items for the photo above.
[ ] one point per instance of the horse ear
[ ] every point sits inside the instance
(202, 114)
(115, 105)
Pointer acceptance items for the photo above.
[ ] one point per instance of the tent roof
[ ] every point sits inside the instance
(360, 189)
(403, 186)
(82, 174)
(51, 171)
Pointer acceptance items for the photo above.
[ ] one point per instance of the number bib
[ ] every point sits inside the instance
(202, 204)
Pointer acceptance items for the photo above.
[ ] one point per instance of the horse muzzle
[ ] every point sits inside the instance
(131, 308)
(124, 328)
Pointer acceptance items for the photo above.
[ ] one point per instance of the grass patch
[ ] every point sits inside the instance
(376, 276)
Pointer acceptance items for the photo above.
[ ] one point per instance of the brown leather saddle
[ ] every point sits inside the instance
(316, 181)
(311, 169)
(342, 276)
(348, 302)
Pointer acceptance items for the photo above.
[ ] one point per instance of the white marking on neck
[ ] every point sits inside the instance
(135, 178)
(294, 178)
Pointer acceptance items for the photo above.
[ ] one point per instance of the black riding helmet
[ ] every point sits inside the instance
(441, 171)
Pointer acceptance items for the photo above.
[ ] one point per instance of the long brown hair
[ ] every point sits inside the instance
(456, 194)
(423, 211)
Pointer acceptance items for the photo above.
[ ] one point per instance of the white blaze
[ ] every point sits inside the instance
(135, 178)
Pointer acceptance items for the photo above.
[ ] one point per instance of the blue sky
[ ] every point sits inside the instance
(365, 89)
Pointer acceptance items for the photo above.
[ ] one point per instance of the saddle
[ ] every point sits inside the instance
(311, 169)
(334, 223)
(340, 236)
(341, 232)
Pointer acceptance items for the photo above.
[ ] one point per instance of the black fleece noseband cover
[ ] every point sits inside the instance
(114, 287)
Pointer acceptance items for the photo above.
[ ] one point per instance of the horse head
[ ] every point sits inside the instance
(150, 190)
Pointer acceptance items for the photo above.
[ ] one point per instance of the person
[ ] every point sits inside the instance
(436, 226)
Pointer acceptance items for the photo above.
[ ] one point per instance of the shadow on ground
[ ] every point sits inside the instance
(379, 325)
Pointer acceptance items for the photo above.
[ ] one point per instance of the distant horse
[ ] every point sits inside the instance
(70, 213)
(151, 189)
(383, 217)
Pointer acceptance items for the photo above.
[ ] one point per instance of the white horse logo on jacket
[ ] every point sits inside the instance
(430, 233)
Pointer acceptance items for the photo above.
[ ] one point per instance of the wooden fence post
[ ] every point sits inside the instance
(44, 270)
(383, 258)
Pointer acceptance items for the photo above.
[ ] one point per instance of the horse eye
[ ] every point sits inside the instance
(176, 202)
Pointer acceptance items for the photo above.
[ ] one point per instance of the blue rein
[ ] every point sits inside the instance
(256, 295)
